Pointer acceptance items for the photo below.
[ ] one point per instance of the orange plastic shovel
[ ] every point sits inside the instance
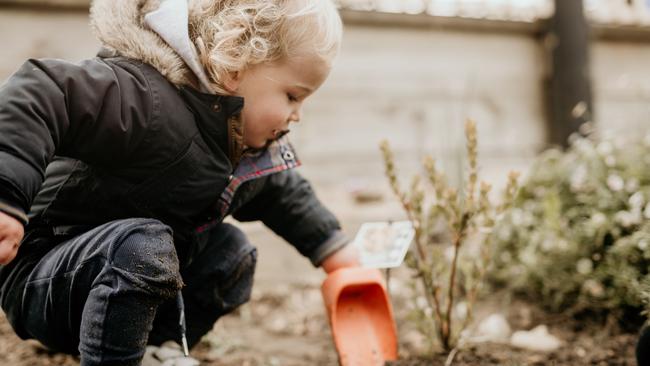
(361, 316)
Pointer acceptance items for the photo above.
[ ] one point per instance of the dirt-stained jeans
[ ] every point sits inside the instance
(110, 291)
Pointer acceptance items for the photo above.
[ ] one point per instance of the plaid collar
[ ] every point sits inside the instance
(278, 156)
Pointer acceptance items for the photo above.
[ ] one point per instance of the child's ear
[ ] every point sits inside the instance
(232, 80)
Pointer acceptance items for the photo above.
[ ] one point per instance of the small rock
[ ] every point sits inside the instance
(494, 328)
(537, 339)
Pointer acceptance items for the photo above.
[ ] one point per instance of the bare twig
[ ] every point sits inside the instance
(450, 357)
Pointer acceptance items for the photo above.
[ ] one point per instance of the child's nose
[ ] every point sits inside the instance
(295, 115)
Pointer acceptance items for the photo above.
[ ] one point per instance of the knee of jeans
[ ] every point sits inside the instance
(145, 253)
(236, 289)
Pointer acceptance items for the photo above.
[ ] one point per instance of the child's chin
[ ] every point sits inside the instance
(267, 144)
(261, 145)
(254, 144)
(258, 145)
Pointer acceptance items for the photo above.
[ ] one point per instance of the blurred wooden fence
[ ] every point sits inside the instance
(410, 77)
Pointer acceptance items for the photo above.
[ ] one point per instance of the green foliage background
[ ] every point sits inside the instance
(578, 236)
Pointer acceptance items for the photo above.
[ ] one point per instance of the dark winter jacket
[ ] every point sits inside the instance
(137, 146)
(126, 134)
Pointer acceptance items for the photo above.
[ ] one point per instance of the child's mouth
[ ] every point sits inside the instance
(277, 134)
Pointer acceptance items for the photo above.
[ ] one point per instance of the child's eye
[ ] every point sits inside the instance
(291, 98)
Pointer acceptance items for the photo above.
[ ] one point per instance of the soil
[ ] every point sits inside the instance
(584, 342)
(584, 350)
(287, 326)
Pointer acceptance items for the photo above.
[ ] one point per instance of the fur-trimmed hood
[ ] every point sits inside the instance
(119, 25)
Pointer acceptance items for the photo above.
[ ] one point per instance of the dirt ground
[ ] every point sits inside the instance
(582, 345)
(286, 325)
(285, 322)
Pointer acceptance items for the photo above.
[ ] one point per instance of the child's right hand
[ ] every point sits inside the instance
(348, 256)
(11, 234)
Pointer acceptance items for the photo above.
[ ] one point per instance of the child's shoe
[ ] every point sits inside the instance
(168, 354)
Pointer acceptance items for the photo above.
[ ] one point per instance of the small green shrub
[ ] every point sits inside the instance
(578, 236)
(446, 221)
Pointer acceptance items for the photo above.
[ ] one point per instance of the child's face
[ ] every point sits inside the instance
(273, 96)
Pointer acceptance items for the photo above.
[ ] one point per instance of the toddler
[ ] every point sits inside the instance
(116, 172)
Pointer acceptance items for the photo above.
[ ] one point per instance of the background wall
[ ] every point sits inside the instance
(412, 79)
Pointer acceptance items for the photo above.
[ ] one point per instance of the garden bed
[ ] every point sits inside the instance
(287, 326)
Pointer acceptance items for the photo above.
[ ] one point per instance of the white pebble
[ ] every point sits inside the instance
(537, 339)
(494, 328)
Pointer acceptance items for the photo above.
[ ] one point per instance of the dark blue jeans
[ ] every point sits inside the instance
(110, 291)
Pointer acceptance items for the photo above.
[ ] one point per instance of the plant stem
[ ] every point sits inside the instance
(452, 282)
(431, 292)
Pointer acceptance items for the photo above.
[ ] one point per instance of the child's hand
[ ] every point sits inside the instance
(11, 233)
(344, 257)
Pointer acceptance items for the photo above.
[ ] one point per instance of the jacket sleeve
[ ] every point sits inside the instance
(89, 111)
(289, 207)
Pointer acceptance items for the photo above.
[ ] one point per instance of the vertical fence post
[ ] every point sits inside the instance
(569, 98)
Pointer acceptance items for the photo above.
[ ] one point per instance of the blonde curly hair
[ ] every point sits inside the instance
(232, 35)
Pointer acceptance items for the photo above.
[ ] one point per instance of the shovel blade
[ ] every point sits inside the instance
(361, 317)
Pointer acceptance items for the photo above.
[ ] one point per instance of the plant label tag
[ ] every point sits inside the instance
(383, 244)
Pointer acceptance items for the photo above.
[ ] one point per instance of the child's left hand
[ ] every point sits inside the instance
(347, 256)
